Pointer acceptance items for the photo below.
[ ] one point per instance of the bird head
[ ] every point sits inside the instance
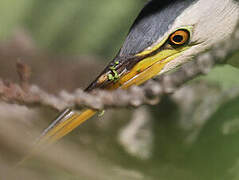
(165, 35)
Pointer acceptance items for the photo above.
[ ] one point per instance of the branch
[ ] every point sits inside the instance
(149, 93)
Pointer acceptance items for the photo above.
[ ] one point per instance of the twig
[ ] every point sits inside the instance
(24, 73)
(149, 93)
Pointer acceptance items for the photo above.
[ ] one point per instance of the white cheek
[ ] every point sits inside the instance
(183, 58)
(213, 21)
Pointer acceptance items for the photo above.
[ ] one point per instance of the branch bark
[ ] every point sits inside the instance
(149, 93)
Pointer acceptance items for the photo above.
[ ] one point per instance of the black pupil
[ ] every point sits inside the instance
(178, 38)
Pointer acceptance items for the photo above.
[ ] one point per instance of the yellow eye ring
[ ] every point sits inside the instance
(179, 37)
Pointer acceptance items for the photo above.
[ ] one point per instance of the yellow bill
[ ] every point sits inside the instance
(141, 72)
(123, 72)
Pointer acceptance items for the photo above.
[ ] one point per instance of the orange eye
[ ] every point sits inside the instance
(180, 37)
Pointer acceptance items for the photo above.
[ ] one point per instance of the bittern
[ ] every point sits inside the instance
(166, 34)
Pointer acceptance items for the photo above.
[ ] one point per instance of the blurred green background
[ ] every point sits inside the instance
(72, 27)
(191, 135)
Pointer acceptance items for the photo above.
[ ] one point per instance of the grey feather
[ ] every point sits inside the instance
(152, 23)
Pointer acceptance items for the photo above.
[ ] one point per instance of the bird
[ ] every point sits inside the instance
(165, 35)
